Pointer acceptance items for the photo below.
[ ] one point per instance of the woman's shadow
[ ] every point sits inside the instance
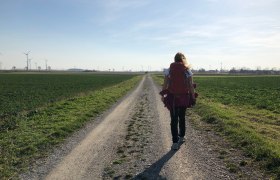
(153, 171)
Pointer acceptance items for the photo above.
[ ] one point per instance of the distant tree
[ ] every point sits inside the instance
(201, 70)
(233, 70)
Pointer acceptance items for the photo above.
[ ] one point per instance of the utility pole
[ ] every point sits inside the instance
(46, 61)
(27, 59)
(36, 66)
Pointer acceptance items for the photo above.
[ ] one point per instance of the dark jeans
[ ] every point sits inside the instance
(177, 114)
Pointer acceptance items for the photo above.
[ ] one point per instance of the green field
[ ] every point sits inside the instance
(20, 92)
(43, 109)
(246, 111)
(260, 92)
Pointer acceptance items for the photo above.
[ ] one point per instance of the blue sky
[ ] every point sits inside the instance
(140, 34)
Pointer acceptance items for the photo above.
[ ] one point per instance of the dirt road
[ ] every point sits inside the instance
(131, 140)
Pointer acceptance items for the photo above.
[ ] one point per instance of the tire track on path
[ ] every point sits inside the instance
(139, 147)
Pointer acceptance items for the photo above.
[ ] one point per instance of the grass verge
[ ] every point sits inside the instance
(258, 139)
(33, 135)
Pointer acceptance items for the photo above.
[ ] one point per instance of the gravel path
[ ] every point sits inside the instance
(132, 140)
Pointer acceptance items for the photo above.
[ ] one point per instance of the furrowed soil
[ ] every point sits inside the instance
(132, 140)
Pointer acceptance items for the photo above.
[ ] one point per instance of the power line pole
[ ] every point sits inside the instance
(27, 59)
(46, 61)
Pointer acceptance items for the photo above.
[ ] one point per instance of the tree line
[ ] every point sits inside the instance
(273, 71)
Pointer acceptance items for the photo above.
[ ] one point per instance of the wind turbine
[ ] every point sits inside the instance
(27, 59)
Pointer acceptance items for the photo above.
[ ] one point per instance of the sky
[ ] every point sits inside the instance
(140, 34)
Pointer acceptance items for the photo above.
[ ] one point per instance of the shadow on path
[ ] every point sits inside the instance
(153, 171)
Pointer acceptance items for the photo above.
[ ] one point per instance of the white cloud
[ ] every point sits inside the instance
(271, 40)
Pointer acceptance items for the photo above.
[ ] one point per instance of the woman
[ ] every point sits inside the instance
(178, 84)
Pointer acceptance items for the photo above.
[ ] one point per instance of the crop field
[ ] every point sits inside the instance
(259, 92)
(39, 111)
(20, 92)
(246, 111)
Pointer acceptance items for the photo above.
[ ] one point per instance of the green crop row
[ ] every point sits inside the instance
(29, 136)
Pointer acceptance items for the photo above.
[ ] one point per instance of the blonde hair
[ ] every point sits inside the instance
(180, 57)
